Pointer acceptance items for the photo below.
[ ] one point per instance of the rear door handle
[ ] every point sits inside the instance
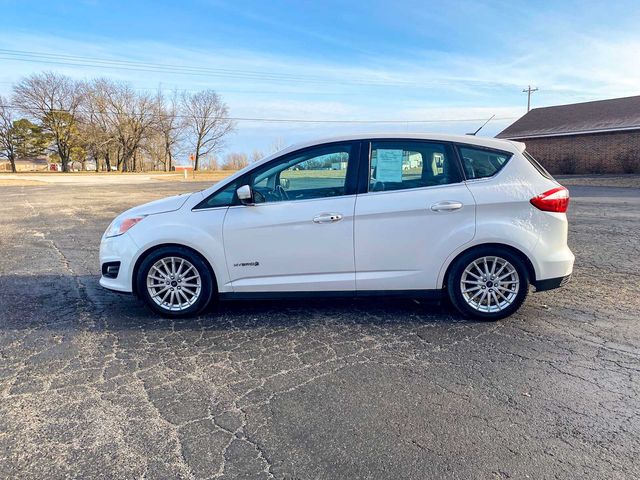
(327, 218)
(447, 206)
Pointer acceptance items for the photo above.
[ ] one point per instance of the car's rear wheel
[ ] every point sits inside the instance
(488, 283)
(175, 282)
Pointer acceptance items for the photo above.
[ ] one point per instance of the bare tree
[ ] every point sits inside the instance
(54, 101)
(7, 143)
(207, 122)
(235, 161)
(97, 132)
(277, 144)
(169, 125)
(256, 155)
(209, 162)
(131, 116)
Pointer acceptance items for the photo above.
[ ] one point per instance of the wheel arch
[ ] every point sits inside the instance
(525, 259)
(150, 250)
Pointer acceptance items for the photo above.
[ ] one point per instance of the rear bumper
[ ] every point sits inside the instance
(551, 283)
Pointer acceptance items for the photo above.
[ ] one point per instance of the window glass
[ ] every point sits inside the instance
(316, 173)
(481, 163)
(538, 166)
(398, 165)
(222, 198)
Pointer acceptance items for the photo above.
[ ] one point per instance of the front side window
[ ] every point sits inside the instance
(222, 198)
(399, 165)
(481, 163)
(314, 173)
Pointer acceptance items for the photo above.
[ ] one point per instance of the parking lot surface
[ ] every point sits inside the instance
(92, 385)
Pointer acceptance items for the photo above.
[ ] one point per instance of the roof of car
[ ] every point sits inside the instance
(445, 137)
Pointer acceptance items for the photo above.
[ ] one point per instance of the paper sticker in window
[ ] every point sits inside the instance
(389, 165)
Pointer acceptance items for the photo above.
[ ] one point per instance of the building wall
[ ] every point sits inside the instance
(591, 153)
(5, 166)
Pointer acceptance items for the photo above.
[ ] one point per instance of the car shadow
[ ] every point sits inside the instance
(75, 302)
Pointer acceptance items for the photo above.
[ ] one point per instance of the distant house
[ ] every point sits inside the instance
(591, 137)
(182, 168)
(39, 164)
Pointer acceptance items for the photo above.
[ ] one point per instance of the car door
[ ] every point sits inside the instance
(416, 210)
(298, 234)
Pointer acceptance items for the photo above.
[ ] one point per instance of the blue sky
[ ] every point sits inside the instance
(433, 62)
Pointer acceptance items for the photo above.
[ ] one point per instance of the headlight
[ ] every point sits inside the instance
(120, 226)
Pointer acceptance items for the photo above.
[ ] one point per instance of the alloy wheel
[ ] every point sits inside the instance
(489, 284)
(174, 284)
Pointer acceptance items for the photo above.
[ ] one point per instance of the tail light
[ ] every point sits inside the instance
(554, 200)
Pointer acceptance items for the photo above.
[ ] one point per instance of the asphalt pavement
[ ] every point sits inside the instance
(92, 385)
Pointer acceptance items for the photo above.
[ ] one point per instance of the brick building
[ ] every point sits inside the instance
(590, 137)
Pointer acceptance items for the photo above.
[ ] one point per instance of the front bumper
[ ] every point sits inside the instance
(118, 249)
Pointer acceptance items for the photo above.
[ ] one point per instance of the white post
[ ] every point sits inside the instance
(185, 173)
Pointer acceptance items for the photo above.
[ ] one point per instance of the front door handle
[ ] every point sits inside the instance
(327, 218)
(447, 206)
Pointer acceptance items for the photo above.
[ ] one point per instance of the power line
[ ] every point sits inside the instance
(279, 120)
(126, 65)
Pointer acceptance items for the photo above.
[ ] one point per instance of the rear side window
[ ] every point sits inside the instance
(482, 163)
(537, 165)
(400, 165)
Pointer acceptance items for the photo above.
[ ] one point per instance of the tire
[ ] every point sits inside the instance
(167, 291)
(475, 294)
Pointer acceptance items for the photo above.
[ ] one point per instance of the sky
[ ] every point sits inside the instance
(400, 65)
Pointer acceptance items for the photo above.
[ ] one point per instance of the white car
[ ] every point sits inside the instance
(475, 219)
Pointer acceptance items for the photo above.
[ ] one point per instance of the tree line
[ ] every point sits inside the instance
(113, 126)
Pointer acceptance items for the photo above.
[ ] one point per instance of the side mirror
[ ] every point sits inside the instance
(245, 195)
(285, 183)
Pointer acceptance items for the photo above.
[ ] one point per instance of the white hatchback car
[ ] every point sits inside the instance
(475, 219)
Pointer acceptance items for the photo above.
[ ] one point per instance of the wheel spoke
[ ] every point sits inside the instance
(160, 291)
(472, 289)
(473, 274)
(164, 298)
(493, 294)
(180, 265)
(183, 295)
(508, 274)
(486, 267)
(503, 296)
(155, 269)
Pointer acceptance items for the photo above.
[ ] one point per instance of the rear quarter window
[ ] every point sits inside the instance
(537, 165)
(482, 162)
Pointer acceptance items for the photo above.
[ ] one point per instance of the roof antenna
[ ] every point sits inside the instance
(482, 126)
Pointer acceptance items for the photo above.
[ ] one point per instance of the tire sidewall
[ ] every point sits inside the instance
(455, 293)
(206, 290)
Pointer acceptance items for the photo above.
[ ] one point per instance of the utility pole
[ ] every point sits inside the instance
(529, 91)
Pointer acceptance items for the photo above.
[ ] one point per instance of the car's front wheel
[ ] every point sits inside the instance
(488, 283)
(175, 282)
